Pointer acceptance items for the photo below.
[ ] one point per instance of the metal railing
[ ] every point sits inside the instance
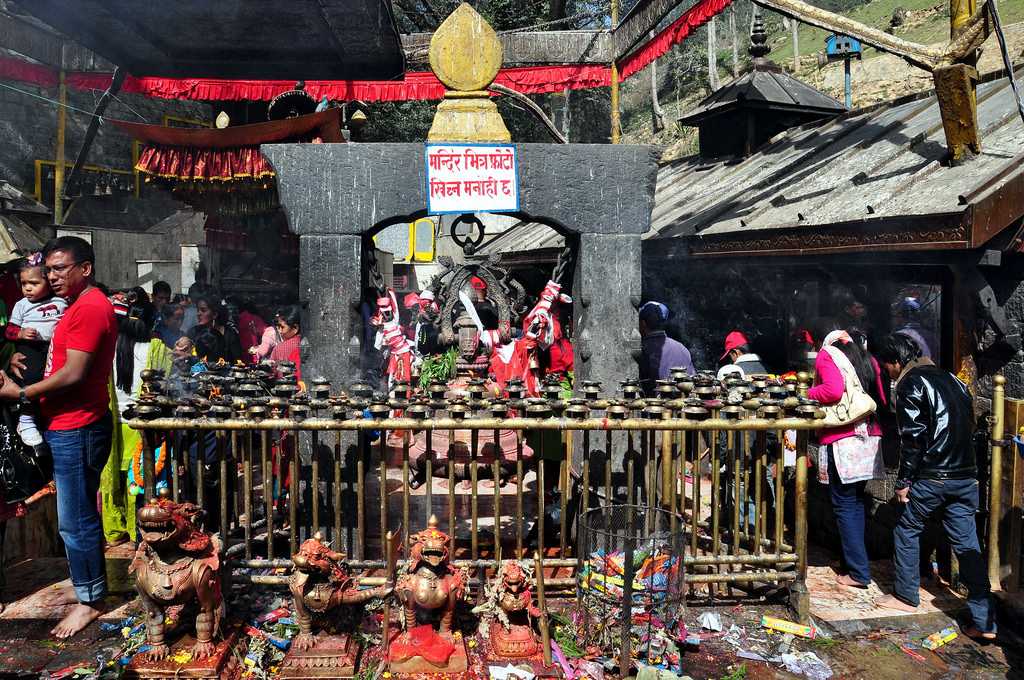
(265, 495)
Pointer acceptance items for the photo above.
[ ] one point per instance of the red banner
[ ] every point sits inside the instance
(675, 33)
(416, 85)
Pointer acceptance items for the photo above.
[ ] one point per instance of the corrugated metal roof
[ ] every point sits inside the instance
(522, 237)
(887, 161)
(870, 164)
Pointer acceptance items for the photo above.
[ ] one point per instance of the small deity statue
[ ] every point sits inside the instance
(324, 591)
(510, 600)
(177, 563)
(320, 584)
(429, 591)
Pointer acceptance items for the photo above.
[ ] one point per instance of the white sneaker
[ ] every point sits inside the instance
(28, 431)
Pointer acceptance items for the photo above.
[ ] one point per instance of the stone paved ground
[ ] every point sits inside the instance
(858, 647)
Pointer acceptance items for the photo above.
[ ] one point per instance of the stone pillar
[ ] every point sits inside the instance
(606, 286)
(606, 290)
(330, 289)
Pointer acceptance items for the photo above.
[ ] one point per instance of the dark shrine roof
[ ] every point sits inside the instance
(765, 87)
(257, 39)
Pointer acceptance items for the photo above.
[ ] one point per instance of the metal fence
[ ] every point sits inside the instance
(348, 472)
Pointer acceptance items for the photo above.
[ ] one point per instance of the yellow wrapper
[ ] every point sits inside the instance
(784, 626)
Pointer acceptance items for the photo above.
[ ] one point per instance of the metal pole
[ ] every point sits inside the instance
(802, 599)
(847, 84)
(995, 496)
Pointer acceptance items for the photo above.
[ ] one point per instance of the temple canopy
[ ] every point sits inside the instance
(268, 39)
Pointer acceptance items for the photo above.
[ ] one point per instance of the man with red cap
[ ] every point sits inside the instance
(741, 361)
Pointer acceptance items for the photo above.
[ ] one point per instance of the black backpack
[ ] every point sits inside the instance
(22, 471)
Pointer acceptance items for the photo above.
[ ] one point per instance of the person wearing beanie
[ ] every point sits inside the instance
(659, 354)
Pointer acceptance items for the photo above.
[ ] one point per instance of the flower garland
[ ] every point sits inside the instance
(135, 475)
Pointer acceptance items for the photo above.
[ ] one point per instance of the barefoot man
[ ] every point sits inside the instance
(935, 416)
(74, 401)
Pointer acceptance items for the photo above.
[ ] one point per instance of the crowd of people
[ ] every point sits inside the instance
(76, 353)
(934, 426)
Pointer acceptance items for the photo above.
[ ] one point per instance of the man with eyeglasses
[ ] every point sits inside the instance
(74, 401)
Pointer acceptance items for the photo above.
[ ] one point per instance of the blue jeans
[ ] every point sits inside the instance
(849, 503)
(958, 501)
(78, 458)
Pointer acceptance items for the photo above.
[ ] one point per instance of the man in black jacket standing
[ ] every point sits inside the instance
(935, 417)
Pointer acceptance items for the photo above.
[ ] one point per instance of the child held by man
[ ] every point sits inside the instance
(30, 328)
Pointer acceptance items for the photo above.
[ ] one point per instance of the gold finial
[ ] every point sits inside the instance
(465, 53)
(432, 522)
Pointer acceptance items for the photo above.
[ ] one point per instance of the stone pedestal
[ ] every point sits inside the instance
(222, 665)
(333, 656)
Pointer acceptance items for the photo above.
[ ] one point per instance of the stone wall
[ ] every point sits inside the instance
(28, 127)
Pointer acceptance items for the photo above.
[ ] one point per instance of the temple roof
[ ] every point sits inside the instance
(259, 39)
(765, 87)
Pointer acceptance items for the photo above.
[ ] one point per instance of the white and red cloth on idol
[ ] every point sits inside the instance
(394, 338)
(516, 359)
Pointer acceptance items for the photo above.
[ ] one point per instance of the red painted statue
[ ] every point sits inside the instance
(510, 600)
(429, 590)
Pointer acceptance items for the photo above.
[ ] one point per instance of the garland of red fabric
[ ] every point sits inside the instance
(673, 34)
(416, 85)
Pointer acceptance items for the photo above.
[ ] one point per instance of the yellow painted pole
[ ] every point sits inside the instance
(995, 501)
(615, 80)
(58, 172)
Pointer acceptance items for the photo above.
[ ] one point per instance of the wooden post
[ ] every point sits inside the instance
(58, 171)
(615, 80)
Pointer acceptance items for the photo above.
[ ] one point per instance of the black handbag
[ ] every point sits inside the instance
(22, 471)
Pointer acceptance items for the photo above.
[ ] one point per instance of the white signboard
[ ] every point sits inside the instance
(468, 178)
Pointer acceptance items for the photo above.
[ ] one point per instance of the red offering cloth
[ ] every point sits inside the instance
(422, 641)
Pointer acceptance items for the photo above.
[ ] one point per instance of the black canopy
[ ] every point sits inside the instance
(248, 39)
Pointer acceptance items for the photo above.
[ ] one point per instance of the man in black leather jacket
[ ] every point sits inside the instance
(935, 416)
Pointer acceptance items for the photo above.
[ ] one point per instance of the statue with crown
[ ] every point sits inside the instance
(429, 590)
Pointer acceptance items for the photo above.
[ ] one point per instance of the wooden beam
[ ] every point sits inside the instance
(643, 18)
(918, 55)
(533, 47)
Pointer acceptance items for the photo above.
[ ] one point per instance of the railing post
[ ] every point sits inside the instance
(995, 495)
(800, 598)
(149, 465)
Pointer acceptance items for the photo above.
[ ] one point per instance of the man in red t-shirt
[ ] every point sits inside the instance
(74, 401)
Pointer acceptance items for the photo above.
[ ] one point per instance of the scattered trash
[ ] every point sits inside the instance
(936, 640)
(590, 670)
(750, 656)
(807, 664)
(509, 672)
(784, 626)
(911, 653)
(710, 621)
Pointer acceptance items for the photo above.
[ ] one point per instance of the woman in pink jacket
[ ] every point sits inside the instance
(850, 455)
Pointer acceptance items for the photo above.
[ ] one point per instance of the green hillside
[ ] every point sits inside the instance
(927, 22)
